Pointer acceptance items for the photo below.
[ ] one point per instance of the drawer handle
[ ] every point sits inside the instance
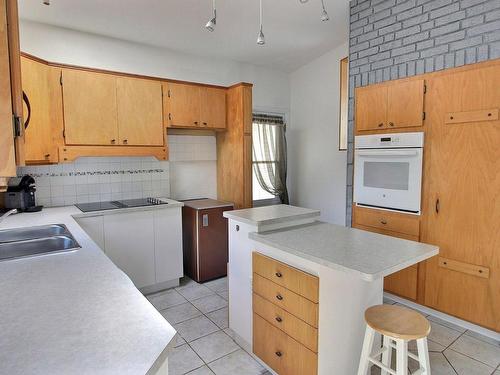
(278, 274)
(383, 221)
(279, 296)
(278, 353)
(278, 319)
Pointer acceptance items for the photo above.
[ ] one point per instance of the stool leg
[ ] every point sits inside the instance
(423, 356)
(387, 356)
(364, 363)
(401, 357)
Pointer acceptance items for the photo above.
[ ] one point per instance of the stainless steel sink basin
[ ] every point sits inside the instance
(39, 246)
(22, 234)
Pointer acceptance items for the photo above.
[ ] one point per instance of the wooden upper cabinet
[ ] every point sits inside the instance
(405, 104)
(140, 113)
(182, 104)
(213, 107)
(371, 108)
(194, 106)
(39, 137)
(390, 105)
(90, 108)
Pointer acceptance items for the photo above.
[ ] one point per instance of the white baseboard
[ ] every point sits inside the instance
(451, 319)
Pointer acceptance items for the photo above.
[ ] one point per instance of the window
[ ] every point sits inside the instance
(344, 103)
(269, 160)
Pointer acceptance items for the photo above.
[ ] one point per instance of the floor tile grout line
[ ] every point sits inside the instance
(474, 359)
(449, 362)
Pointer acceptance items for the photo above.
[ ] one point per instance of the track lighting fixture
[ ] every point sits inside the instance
(261, 40)
(324, 14)
(210, 26)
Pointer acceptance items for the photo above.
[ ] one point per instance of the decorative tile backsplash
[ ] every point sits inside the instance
(92, 179)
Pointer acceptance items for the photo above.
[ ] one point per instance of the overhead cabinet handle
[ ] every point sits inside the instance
(381, 124)
(438, 206)
(28, 106)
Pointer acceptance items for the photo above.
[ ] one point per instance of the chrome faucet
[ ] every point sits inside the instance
(8, 213)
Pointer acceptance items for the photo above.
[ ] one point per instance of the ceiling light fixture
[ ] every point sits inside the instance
(261, 40)
(210, 26)
(46, 2)
(324, 14)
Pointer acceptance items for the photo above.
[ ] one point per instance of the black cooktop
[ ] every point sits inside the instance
(113, 205)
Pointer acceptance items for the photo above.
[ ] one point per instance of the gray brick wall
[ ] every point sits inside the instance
(391, 39)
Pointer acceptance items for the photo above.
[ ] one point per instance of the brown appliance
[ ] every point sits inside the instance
(205, 238)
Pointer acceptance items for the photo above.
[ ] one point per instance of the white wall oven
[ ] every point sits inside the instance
(388, 171)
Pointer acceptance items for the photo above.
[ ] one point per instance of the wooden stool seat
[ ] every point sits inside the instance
(397, 321)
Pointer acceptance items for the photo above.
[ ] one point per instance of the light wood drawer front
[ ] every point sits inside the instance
(291, 278)
(281, 352)
(294, 327)
(391, 221)
(289, 301)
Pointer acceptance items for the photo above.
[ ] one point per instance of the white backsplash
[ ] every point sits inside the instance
(92, 179)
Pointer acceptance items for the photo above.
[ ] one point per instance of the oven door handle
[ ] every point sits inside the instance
(387, 153)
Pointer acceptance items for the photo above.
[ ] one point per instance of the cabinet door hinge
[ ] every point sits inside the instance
(16, 125)
(423, 115)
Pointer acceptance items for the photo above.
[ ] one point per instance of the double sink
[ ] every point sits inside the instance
(35, 241)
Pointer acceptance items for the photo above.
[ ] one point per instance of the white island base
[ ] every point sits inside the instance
(349, 263)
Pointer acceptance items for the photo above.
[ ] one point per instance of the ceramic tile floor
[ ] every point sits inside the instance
(199, 313)
(204, 346)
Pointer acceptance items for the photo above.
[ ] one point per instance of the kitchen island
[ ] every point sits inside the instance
(307, 284)
(76, 312)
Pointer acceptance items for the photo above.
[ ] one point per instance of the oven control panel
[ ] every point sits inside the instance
(392, 140)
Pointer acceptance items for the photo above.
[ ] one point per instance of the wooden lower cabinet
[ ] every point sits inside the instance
(299, 330)
(289, 277)
(285, 324)
(405, 282)
(292, 302)
(281, 352)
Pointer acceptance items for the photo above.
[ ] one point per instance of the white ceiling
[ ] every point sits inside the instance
(294, 32)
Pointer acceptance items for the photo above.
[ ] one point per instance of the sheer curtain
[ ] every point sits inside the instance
(269, 154)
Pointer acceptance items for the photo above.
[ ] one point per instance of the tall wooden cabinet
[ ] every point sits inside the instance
(462, 195)
(461, 189)
(234, 149)
(11, 118)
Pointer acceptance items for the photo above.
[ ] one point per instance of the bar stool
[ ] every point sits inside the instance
(398, 325)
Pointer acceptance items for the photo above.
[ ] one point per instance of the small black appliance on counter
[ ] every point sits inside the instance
(22, 195)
